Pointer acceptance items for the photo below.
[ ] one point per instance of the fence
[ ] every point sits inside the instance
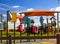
(36, 37)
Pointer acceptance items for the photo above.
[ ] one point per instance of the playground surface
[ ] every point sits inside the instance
(38, 41)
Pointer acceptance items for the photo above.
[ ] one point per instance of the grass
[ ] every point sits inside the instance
(24, 34)
(17, 34)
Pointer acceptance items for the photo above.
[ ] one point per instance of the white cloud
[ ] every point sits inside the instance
(4, 15)
(56, 9)
(15, 6)
(3, 9)
(30, 9)
(8, 6)
(4, 5)
(1, 4)
(52, 9)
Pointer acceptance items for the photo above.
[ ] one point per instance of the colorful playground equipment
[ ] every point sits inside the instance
(29, 13)
(13, 16)
(39, 13)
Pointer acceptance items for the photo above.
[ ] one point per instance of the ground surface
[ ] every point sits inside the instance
(44, 41)
(38, 41)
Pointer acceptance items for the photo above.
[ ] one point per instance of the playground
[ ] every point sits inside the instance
(46, 30)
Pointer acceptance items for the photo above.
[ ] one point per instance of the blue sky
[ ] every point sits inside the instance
(23, 5)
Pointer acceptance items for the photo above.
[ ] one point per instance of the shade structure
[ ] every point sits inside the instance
(38, 13)
(20, 18)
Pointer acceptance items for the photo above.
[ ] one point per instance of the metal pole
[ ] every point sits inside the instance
(1, 30)
(47, 25)
(28, 32)
(47, 20)
(7, 27)
(58, 22)
(14, 32)
(20, 32)
(27, 28)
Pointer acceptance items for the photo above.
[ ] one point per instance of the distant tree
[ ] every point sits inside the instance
(4, 25)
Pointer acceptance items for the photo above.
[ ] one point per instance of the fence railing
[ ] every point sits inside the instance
(9, 38)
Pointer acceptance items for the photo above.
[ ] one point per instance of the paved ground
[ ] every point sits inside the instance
(38, 41)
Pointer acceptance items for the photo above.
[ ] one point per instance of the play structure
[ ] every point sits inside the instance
(40, 13)
(33, 30)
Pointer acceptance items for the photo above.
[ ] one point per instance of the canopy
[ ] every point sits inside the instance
(38, 13)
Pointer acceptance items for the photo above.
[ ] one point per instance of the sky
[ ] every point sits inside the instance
(23, 5)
